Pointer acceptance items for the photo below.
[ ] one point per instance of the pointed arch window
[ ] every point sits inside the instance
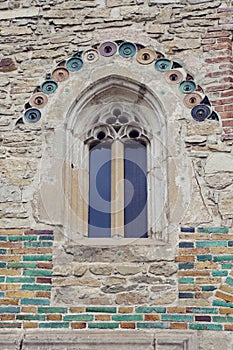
(117, 176)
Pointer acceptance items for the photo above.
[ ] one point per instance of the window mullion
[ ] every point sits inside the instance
(117, 189)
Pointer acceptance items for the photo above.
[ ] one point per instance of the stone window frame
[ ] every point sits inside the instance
(76, 184)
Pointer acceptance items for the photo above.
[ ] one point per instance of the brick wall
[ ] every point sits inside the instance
(204, 300)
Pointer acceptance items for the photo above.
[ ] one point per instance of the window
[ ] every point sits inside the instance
(117, 176)
(115, 172)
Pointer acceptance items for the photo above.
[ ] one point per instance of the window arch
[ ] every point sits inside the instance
(117, 119)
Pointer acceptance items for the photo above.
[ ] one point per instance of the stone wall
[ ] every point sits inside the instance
(185, 282)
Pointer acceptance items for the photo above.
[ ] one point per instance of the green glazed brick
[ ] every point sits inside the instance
(150, 309)
(52, 310)
(229, 280)
(220, 273)
(54, 325)
(227, 266)
(186, 280)
(164, 325)
(9, 310)
(29, 317)
(208, 288)
(230, 243)
(37, 258)
(38, 244)
(103, 325)
(227, 319)
(36, 287)
(29, 301)
(222, 303)
(206, 257)
(78, 317)
(2, 264)
(203, 310)
(21, 265)
(211, 244)
(104, 309)
(22, 238)
(20, 280)
(186, 266)
(37, 273)
(127, 317)
(2, 279)
(213, 230)
(2, 251)
(177, 318)
(46, 238)
(2, 294)
(211, 327)
(223, 258)
(3, 238)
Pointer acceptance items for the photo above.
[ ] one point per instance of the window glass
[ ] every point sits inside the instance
(135, 191)
(100, 191)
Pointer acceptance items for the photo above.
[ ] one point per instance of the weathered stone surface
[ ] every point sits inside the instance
(79, 270)
(19, 13)
(219, 180)
(70, 281)
(101, 270)
(7, 65)
(131, 298)
(225, 203)
(163, 268)
(128, 269)
(217, 162)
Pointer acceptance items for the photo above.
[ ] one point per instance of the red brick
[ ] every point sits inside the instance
(223, 101)
(219, 108)
(7, 317)
(44, 280)
(44, 265)
(228, 108)
(228, 327)
(207, 48)
(209, 41)
(129, 325)
(220, 73)
(227, 123)
(78, 325)
(226, 93)
(226, 80)
(216, 34)
(220, 87)
(152, 317)
(224, 40)
(218, 60)
(226, 66)
(227, 115)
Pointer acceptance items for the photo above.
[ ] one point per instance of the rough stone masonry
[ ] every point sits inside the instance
(176, 290)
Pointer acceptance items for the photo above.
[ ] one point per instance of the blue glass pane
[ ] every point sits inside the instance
(100, 191)
(135, 198)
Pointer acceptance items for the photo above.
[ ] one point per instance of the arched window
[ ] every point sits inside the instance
(117, 174)
(116, 186)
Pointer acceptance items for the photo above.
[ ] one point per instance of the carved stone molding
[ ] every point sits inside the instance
(97, 340)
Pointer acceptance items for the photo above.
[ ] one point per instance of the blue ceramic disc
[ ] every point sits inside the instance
(200, 112)
(187, 87)
(163, 65)
(49, 87)
(127, 49)
(32, 115)
(74, 64)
